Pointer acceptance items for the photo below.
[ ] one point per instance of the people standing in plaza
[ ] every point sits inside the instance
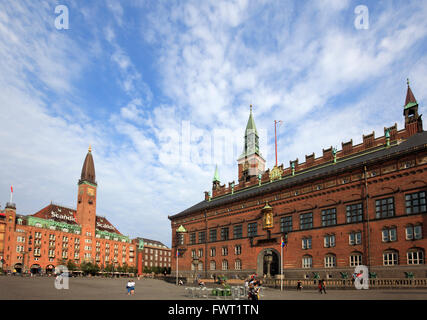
(299, 285)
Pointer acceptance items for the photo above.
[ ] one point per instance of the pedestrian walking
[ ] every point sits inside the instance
(299, 285)
(322, 286)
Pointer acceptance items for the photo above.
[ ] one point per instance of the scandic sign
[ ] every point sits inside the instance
(98, 224)
(62, 216)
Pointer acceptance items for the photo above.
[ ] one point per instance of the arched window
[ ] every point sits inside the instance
(390, 258)
(415, 256)
(307, 261)
(238, 264)
(330, 261)
(355, 259)
(212, 265)
(200, 266)
(224, 265)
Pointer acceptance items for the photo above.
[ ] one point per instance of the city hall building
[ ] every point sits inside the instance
(45, 239)
(363, 204)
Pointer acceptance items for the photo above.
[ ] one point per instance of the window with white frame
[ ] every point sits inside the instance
(200, 253)
(224, 265)
(237, 249)
(415, 256)
(238, 264)
(355, 259)
(355, 238)
(306, 243)
(329, 241)
(212, 265)
(414, 232)
(389, 234)
(307, 262)
(390, 258)
(224, 251)
(193, 254)
(330, 261)
(212, 252)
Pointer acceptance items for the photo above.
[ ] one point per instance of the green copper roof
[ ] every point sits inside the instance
(251, 123)
(410, 104)
(181, 229)
(216, 176)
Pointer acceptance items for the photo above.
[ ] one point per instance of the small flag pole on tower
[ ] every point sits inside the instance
(11, 194)
(275, 136)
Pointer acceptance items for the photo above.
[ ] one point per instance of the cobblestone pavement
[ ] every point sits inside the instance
(18, 288)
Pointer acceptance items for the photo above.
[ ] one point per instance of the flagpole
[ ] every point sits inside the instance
(275, 142)
(177, 257)
(11, 194)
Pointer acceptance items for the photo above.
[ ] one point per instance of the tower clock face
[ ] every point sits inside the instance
(90, 191)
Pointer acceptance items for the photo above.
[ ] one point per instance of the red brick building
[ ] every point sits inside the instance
(152, 254)
(43, 240)
(363, 204)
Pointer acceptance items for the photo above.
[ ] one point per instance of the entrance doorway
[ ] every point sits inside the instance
(18, 267)
(268, 263)
(50, 269)
(35, 269)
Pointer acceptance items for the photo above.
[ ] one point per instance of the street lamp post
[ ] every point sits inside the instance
(196, 264)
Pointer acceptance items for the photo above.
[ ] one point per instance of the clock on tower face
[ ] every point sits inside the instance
(91, 191)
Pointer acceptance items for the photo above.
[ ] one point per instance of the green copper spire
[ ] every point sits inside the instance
(251, 123)
(216, 175)
(410, 98)
(251, 145)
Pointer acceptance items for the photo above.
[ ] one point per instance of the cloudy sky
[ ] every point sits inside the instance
(161, 90)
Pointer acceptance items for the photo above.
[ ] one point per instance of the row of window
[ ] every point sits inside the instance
(212, 265)
(156, 251)
(390, 258)
(212, 251)
(157, 258)
(414, 202)
(151, 264)
(389, 234)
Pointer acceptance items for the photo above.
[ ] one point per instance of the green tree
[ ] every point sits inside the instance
(71, 266)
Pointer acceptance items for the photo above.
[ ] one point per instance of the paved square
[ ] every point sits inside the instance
(18, 288)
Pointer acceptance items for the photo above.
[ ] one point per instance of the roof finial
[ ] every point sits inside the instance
(251, 108)
(407, 81)
(90, 148)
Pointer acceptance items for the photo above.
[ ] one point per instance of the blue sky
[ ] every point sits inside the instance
(161, 90)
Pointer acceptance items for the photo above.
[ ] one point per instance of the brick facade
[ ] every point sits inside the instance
(151, 253)
(41, 241)
(362, 192)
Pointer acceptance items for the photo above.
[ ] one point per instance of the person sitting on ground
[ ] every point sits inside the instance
(201, 283)
(131, 287)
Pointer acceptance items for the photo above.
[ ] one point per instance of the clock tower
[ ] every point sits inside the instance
(86, 198)
(250, 162)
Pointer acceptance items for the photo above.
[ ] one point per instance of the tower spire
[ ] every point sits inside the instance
(410, 98)
(413, 122)
(216, 175)
(88, 169)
